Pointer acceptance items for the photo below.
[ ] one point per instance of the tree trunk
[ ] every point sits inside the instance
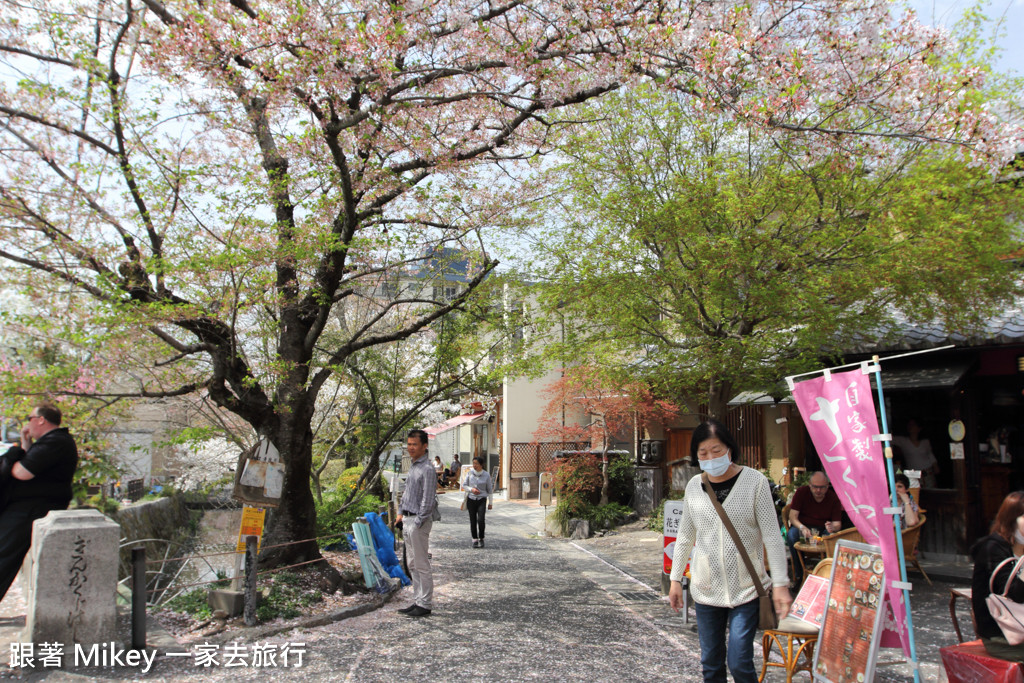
(719, 394)
(290, 534)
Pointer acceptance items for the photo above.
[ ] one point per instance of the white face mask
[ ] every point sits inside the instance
(1018, 536)
(716, 467)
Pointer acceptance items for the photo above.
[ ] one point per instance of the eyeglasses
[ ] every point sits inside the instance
(820, 488)
(31, 417)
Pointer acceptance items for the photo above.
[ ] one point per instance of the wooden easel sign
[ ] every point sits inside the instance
(847, 648)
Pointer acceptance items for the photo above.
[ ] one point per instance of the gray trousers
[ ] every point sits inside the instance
(417, 546)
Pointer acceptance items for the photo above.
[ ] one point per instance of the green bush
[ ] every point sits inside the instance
(287, 598)
(107, 506)
(347, 481)
(610, 515)
(333, 472)
(620, 478)
(194, 603)
(330, 524)
(577, 486)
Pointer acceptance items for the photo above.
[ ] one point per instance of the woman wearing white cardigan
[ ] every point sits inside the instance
(724, 595)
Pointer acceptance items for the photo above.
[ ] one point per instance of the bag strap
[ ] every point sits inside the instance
(735, 537)
(1009, 580)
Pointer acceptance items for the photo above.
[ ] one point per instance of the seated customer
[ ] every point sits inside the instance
(815, 506)
(453, 470)
(442, 473)
(908, 505)
(1006, 540)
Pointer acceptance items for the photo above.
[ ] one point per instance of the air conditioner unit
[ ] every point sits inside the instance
(652, 451)
(645, 451)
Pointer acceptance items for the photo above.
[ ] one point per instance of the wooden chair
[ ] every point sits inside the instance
(911, 537)
(795, 639)
(966, 594)
(831, 540)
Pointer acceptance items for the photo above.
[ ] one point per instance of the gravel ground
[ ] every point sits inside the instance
(520, 609)
(524, 608)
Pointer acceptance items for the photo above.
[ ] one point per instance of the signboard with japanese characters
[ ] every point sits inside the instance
(851, 630)
(252, 525)
(259, 476)
(809, 604)
(839, 413)
(673, 513)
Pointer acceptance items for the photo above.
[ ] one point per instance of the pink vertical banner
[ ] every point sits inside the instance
(839, 412)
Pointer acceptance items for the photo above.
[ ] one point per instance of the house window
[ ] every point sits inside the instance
(445, 293)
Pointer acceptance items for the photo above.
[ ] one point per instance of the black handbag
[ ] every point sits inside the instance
(768, 618)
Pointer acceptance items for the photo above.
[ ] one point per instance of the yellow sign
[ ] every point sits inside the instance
(252, 525)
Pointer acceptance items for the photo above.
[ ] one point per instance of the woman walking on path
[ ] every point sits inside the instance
(478, 487)
(724, 594)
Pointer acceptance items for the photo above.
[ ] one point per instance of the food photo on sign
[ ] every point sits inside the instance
(852, 626)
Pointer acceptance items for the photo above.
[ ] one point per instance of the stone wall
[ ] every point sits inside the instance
(165, 518)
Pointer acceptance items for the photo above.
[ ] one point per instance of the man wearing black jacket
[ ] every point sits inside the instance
(36, 477)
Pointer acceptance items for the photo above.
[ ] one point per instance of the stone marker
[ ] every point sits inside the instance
(579, 528)
(71, 573)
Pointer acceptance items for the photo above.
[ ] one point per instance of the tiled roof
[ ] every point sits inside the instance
(1002, 329)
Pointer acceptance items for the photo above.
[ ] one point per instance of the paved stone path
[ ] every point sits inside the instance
(524, 608)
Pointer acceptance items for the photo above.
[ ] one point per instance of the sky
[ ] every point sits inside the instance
(1011, 12)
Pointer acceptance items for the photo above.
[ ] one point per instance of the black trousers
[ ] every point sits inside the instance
(16, 537)
(477, 512)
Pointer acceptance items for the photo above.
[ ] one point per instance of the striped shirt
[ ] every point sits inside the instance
(420, 494)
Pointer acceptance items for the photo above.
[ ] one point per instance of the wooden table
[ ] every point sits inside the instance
(812, 549)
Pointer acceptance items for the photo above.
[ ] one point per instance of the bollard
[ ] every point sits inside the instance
(249, 609)
(139, 598)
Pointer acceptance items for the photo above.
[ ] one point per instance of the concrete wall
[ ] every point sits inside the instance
(444, 445)
(165, 518)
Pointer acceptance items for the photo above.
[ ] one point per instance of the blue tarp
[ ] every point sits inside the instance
(385, 542)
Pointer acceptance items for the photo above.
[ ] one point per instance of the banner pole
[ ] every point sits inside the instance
(876, 359)
(891, 474)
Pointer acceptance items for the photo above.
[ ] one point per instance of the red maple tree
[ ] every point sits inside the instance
(586, 405)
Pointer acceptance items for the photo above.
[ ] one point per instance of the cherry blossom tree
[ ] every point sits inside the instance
(222, 183)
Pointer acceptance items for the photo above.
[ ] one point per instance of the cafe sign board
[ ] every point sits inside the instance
(673, 515)
(855, 611)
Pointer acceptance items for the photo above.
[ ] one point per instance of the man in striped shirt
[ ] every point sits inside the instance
(418, 501)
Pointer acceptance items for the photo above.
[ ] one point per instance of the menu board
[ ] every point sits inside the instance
(848, 643)
(809, 605)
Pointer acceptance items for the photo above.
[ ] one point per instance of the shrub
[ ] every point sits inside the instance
(347, 481)
(288, 597)
(107, 506)
(194, 603)
(620, 478)
(610, 515)
(333, 472)
(577, 486)
(330, 524)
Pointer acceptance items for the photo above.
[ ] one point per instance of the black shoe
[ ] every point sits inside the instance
(418, 611)
(476, 543)
(406, 610)
(481, 543)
